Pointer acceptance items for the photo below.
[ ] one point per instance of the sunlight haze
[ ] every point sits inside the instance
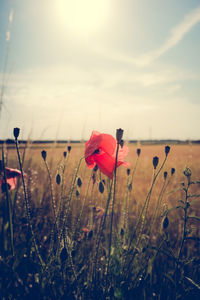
(70, 67)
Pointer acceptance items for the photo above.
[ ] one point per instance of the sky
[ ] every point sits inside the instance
(68, 67)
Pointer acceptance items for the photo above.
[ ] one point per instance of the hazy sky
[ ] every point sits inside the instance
(73, 66)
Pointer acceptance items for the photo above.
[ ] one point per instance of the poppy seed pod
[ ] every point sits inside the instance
(44, 154)
(165, 223)
(79, 182)
(77, 193)
(16, 132)
(155, 161)
(95, 168)
(119, 135)
(172, 171)
(167, 150)
(69, 148)
(138, 151)
(130, 187)
(122, 143)
(122, 232)
(101, 187)
(58, 179)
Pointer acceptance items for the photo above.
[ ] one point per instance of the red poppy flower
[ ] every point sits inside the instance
(101, 150)
(11, 175)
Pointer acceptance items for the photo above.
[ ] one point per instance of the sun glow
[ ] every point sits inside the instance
(83, 17)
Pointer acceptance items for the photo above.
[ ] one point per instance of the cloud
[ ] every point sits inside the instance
(177, 34)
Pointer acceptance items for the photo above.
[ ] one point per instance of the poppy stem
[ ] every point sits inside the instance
(113, 203)
(28, 207)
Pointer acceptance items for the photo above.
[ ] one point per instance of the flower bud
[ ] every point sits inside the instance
(69, 148)
(44, 154)
(79, 182)
(172, 171)
(128, 171)
(16, 132)
(138, 151)
(167, 150)
(187, 172)
(64, 154)
(95, 168)
(122, 143)
(165, 223)
(101, 187)
(165, 175)
(58, 179)
(119, 135)
(77, 193)
(122, 232)
(155, 162)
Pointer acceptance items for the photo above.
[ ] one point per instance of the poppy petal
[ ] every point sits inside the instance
(106, 163)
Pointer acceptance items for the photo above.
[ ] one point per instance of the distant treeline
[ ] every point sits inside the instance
(143, 142)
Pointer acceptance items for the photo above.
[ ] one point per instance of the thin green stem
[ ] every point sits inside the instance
(28, 207)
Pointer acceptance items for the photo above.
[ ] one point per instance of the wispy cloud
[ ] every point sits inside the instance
(177, 34)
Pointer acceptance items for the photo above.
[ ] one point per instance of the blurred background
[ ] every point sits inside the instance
(70, 67)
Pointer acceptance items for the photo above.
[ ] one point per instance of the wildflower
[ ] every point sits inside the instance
(101, 150)
(11, 177)
(85, 231)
